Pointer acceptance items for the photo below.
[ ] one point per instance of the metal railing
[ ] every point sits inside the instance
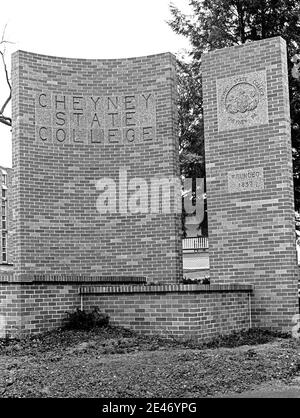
(196, 243)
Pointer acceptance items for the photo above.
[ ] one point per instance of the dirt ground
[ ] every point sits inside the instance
(115, 363)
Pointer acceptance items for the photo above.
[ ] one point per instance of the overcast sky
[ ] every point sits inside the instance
(86, 29)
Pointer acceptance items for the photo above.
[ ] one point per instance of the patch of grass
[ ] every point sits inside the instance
(114, 340)
(68, 363)
(252, 336)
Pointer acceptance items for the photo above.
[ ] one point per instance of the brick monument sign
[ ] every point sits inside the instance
(94, 211)
(83, 128)
(249, 176)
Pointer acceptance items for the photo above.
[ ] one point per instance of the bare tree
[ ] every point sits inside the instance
(6, 120)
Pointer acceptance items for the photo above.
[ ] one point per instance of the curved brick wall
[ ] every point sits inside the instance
(75, 122)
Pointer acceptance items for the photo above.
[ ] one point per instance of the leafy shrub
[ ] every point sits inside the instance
(196, 280)
(82, 320)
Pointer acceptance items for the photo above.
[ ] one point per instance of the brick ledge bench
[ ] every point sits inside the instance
(178, 310)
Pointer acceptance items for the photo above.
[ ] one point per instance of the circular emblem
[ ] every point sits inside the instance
(241, 98)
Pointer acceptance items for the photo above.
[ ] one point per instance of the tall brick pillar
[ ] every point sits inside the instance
(249, 176)
(80, 127)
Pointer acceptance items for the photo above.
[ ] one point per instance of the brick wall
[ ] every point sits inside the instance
(249, 176)
(197, 311)
(30, 308)
(75, 122)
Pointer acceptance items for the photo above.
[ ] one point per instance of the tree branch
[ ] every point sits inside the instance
(5, 119)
